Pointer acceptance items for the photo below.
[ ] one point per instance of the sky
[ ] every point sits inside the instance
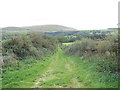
(79, 14)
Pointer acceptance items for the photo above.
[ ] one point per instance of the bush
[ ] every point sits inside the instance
(102, 52)
(30, 45)
(85, 46)
(62, 39)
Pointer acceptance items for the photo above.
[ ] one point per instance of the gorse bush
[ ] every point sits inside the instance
(81, 47)
(109, 47)
(30, 45)
(103, 52)
(62, 39)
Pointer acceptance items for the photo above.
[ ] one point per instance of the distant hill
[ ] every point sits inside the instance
(113, 28)
(44, 28)
(13, 28)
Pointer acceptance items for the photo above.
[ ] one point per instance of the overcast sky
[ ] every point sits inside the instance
(79, 14)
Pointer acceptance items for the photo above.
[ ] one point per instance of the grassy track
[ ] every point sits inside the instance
(60, 74)
(58, 71)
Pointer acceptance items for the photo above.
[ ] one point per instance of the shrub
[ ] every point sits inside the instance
(103, 52)
(81, 47)
(30, 45)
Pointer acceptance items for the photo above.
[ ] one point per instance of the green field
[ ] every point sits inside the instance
(66, 44)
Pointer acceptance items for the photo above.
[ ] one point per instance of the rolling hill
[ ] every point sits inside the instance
(42, 28)
(13, 28)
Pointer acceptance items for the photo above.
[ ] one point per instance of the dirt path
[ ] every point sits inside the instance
(61, 73)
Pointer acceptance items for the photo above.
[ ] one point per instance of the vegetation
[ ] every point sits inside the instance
(102, 55)
(72, 59)
(67, 44)
(71, 36)
(71, 72)
(6, 34)
(23, 76)
(30, 45)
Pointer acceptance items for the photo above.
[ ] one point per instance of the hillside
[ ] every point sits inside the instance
(43, 28)
(46, 28)
(13, 28)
